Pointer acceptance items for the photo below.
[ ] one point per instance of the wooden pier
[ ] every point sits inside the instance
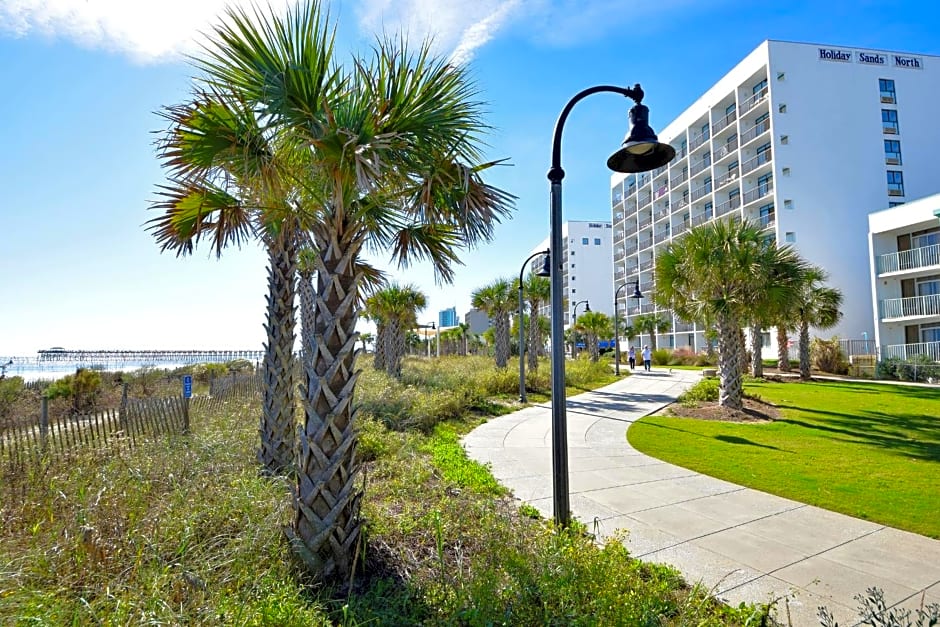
(109, 357)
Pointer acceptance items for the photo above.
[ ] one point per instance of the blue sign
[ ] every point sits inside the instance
(187, 386)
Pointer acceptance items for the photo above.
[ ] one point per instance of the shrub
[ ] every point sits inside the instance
(704, 390)
(684, 356)
(661, 356)
(827, 356)
(704, 359)
(917, 369)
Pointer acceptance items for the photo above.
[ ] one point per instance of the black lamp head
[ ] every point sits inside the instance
(587, 307)
(641, 151)
(636, 291)
(546, 269)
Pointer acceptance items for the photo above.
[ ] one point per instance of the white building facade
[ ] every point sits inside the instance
(588, 273)
(804, 140)
(905, 279)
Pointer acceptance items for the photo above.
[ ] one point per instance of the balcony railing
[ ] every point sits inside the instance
(727, 178)
(682, 202)
(754, 100)
(909, 259)
(767, 221)
(645, 199)
(682, 227)
(683, 327)
(701, 192)
(662, 236)
(727, 206)
(699, 166)
(646, 265)
(681, 177)
(661, 191)
(646, 242)
(761, 190)
(659, 171)
(908, 351)
(910, 307)
(755, 131)
(723, 122)
(701, 219)
(755, 162)
(698, 140)
(646, 220)
(630, 248)
(725, 149)
(662, 213)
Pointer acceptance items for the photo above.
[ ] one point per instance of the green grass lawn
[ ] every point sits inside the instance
(863, 449)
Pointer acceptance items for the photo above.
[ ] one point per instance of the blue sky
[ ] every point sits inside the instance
(83, 78)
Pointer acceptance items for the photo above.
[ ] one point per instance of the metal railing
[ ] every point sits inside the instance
(727, 206)
(754, 100)
(725, 149)
(698, 167)
(681, 177)
(755, 162)
(701, 219)
(755, 131)
(700, 192)
(909, 259)
(698, 140)
(912, 306)
(767, 221)
(682, 227)
(907, 351)
(646, 220)
(661, 213)
(662, 236)
(727, 178)
(646, 265)
(761, 190)
(646, 243)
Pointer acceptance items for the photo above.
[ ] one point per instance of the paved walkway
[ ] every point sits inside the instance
(742, 544)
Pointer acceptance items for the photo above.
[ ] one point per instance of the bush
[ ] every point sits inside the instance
(827, 356)
(10, 391)
(917, 369)
(704, 359)
(703, 391)
(684, 356)
(661, 356)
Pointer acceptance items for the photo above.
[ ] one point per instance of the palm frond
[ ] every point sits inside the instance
(191, 212)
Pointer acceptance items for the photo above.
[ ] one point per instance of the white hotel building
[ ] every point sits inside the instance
(805, 140)
(586, 246)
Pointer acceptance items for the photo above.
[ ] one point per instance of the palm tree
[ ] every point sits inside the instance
(398, 306)
(537, 290)
(392, 161)
(464, 335)
(652, 324)
(306, 263)
(815, 306)
(496, 299)
(710, 276)
(594, 325)
(230, 179)
(366, 339)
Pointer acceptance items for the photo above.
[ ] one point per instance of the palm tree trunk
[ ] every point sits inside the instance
(534, 336)
(307, 312)
(276, 428)
(731, 391)
(394, 348)
(378, 360)
(757, 345)
(503, 342)
(783, 349)
(595, 347)
(804, 351)
(653, 340)
(326, 525)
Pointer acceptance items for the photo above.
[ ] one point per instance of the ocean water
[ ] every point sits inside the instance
(31, 369)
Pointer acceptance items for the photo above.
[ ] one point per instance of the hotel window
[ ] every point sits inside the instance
(597, 241)
(930, 333)
(729, 111)
(707, 184)
(889, 121)
(706, 159)
(895, 183)
(732, 170)
(790, 237)
(892, 152)
(788, 204)
(922, 240)
(705, 131)
(895, 204)
(928, 285)
(886, 85)
(782, 108)
(759, 87)
(584, 241)
(767, 215)
(708, 210)
(762, 122)
(733, 194)
(764, 183)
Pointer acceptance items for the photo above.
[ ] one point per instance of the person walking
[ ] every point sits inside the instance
(647, 358)
(631, 355)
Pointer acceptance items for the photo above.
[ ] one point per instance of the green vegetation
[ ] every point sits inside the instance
(187, 531)
(863, 449)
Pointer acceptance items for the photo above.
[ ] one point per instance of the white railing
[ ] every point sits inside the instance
(755, 131)
(700, 192)
(759, 191)
(723, 122)
(754, 100)
(698, 140)
(767, 221)
(912, 306)
(698, 166)
(909, 259)
(729, 205)
(908, 351)
(755, 162)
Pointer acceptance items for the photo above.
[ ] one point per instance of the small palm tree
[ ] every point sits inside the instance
(652, 324)
(594, 325)
(496, 299)
(537, 290)
(815, 306)
(398, 306)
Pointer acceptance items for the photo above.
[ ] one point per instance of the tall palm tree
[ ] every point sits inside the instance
(815, 306)
(496, 299)
(710, 276)
(594, 325)
(398, 305)
(464, 335)
(537, 290)
(652, 324)
(306, 264)
(230, 179)
(392, 154)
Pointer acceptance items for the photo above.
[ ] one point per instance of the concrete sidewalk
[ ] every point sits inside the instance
(742, 544)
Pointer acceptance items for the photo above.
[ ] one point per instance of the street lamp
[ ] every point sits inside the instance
(427, 326)
(637, 295)
(641, 152)
(545, 270)
(574, 320)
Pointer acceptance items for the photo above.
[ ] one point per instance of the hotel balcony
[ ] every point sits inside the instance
(728, 177)
(909, 351)
(758, 192)
(698, 166)
(701, 192)
(753, 101)
(910, 307)
(679, 178)
(701, 219)
(754, 132)
(725, 150)
(699, 140)
(728, 206)
(645, 243)
(753, 163)
(646, 220)
(724, 122)
(767, 221)
(662, 236)
(683, 327)
(646, 265)
(913, 259)
(680, 228)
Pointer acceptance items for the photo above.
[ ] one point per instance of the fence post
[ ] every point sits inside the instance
(185, 415)
(211, 383)
(44, 421)
(122, 411)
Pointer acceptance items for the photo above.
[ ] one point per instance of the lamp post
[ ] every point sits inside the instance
(641, 152)
(545, 270)
(427, 326)
(637, 295)
(574, 320)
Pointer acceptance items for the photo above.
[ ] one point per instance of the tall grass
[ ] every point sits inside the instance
(186, 531)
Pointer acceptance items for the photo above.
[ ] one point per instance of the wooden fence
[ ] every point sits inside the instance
(114, 429)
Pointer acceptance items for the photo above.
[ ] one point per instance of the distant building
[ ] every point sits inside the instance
(478, 321)
(448, 318)
(904, 243)
(587, 249)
